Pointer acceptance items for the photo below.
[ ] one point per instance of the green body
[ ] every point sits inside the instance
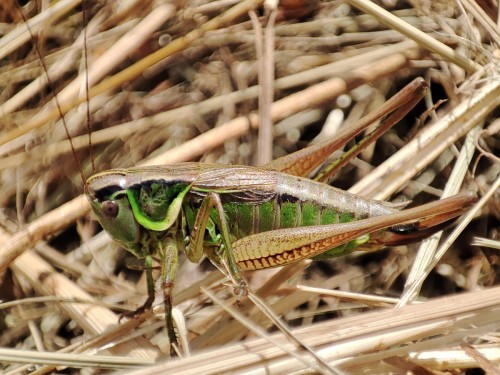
(155, 202)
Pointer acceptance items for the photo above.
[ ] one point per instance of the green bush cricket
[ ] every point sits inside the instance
(245, 218)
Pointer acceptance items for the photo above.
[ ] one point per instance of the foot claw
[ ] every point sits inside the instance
(135, 313)
(241, 291)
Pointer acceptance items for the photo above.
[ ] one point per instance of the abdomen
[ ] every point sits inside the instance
(299, 202)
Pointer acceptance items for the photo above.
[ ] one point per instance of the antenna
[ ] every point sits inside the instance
(53, 90)
(87, 96)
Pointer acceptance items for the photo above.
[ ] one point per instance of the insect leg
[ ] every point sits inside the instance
(194, 251)
(148, 262)
(283, 246)
(225, 256)
(303, 162)
(232, 265)
(169, 258)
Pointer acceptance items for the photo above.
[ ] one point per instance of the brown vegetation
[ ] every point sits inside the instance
(179, 82)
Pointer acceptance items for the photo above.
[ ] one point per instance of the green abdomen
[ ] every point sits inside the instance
(280, 212)
(296, 202)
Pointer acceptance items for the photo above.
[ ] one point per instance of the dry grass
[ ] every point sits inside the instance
(175, 84)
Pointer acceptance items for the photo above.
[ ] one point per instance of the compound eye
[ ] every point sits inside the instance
(110, 209)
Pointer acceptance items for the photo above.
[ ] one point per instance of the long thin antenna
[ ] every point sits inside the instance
(86, 68)
(52, 88)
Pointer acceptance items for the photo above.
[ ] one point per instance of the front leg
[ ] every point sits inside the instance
(169, 258)
(167, 251)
